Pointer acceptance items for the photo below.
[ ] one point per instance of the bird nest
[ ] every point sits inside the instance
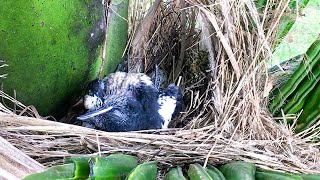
(217, 53)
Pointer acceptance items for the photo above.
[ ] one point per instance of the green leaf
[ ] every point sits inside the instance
(301, 3)
(300, 37)
(302, 92)
(52, 49)
(311, 111)
(281, 95)
(260, 5)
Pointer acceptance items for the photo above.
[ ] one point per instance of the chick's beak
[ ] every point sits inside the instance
(92, 114)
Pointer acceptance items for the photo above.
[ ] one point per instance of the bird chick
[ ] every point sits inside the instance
(122, 113)
(128, 102)
(118, 83)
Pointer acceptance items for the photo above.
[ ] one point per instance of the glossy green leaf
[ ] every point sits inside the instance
(311, 112)
(306, 27)
(303, 91)
(52, 49)
(281, 95)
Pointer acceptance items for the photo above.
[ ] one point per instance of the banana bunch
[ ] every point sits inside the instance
(120, 166)
(114, 166)
(301, 91)
(233, 171)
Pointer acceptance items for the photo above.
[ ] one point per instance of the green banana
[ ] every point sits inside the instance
(81, 166)
(145, 171)
(119, 166)
(215, 173)
(197, 172)
(238, 170)
(175, 174)
(263, 174)
(269, 176)
(114, 166)
(310, 176)
(54, 173)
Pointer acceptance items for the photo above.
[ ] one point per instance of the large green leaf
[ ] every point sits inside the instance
(300, 37)
(52, 49)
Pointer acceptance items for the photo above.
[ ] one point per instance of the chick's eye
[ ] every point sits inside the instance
(90, 92)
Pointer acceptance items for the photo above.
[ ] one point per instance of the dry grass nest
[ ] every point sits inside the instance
(219, 50)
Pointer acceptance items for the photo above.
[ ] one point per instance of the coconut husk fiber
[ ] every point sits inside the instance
(217, 51)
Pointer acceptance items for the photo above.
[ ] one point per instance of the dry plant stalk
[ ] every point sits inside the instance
(14, 163)
(46, 140)
(226, 118)
(139, 41)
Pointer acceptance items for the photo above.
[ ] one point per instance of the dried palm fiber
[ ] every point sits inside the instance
(224, 80)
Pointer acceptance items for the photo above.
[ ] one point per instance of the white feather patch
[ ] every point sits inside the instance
(147, 80)
(167, 106)
(91, 102)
